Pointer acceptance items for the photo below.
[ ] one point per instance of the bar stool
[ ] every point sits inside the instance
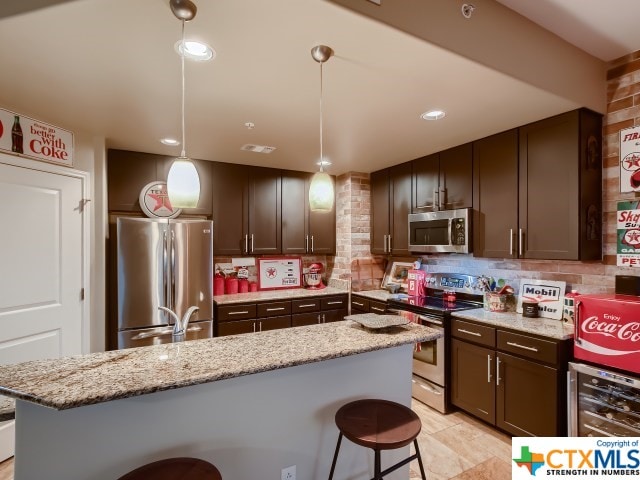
(182, 468)
(379, 425)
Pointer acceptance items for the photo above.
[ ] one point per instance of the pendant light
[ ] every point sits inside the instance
(183, 182)
(321, 195)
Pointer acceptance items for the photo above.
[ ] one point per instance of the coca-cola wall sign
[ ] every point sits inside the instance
(628, 234)
(31, 138)
(548, 293)
(630, 160)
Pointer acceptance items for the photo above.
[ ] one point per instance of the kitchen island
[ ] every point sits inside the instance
(250, 404)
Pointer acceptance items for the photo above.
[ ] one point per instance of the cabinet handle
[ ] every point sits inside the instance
(389, 243)
(423, 206)
(517, 345)
(254, 327)
(337, 302)
(377, 309)
(319, 319)
(520, 242)
(358, 304)
(323, 318)
(576, 322)
(246, 243)
(252, 243)
(260, 326)
(306, 243)
(307, 305)
(488, 368)
(511, 241)
(384, 247)
(468, 332)
(275, 309)
(497, 371)
(238, 313)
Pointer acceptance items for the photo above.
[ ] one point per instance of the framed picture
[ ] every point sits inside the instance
(279, 273)
(397, 274)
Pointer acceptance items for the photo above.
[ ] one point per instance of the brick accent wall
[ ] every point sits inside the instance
(353, 222)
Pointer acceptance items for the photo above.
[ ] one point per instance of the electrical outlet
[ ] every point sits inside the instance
(288, 473)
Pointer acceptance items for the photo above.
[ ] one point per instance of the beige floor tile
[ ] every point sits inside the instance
(6, 469)
(440, 462)
(466, 441)
(491, 469)
(499, 446)
(432, 420)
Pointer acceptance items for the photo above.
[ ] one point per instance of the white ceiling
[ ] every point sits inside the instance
(107, 67)
(605, 29)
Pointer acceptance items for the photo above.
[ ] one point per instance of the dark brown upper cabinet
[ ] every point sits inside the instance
(560, 187)
(537, 190)
(495, 195)
(390, 208)
(246, 210)
(304, 231)
(128, 172)
(450, 173)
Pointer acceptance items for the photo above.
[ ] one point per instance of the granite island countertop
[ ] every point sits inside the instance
(283, 294)
(545, 327)
(81, 380)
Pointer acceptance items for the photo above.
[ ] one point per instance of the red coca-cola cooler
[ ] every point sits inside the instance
(604, 391)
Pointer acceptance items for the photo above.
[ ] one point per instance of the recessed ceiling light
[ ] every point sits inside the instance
(195, 50)
(324, 163)
(433, 115)
(169, 141)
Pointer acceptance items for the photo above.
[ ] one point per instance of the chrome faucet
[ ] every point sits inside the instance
(180, 326)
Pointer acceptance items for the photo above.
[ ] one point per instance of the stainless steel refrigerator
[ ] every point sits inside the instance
(163, 263)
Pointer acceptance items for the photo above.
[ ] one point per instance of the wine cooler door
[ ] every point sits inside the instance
(603, 403)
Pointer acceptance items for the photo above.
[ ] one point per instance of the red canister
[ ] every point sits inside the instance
(253, 287)
(243, 285)
(230, 285)
(218, 285)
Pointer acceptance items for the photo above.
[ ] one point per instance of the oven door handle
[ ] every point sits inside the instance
(430, 320)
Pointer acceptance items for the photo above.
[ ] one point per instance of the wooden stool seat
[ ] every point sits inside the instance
(182, 468)
(379, 425)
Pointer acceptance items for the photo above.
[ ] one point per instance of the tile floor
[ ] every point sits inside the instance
(457, 446)
(454, 446)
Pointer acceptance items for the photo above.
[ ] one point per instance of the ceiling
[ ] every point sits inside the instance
(100, 67)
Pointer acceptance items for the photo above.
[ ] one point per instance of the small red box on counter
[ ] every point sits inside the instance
(415, 282)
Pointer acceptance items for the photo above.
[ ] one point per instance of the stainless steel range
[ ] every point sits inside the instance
(444, 293)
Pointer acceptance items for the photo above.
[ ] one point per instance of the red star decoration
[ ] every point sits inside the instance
(633, 161)
(162, 200)
(271, 272)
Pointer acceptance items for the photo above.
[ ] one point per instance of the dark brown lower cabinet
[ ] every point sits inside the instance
(512, 380)
(527, 397)
(261, 316)
(252, 326)
(472, 386)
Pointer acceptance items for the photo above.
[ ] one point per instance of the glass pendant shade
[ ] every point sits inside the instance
(321, 193)
(183, 184)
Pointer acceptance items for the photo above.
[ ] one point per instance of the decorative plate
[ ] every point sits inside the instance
(376, 322)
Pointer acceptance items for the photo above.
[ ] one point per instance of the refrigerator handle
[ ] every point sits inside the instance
(576, 323)
(165, 277)
(173, 271)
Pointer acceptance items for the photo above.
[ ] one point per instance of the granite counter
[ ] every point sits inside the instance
(283, 294)
(249, 404)
(545, 327)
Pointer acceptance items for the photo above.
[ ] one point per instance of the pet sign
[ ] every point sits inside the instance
(549, 295)
(630, 160)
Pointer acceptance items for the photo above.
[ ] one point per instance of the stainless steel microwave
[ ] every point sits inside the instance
(441, 231)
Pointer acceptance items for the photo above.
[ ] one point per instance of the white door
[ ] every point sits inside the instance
(41, 267)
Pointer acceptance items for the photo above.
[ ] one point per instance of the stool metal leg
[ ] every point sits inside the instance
(335, 457)
(415, 443)
(376, 465)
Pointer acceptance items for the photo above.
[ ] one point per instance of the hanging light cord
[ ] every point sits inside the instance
(184, 146)
(321, 156)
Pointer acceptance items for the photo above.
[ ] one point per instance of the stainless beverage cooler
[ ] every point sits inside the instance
(602, 403)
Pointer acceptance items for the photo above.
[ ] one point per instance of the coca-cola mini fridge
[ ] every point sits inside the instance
(604, 392)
